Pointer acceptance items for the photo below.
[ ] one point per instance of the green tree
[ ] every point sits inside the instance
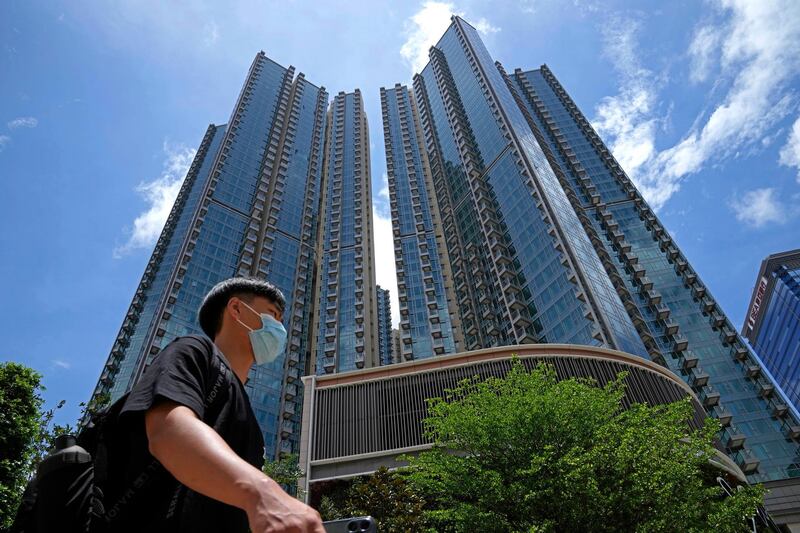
(285, 471)
(389, 499)
(531, 453)
(26, 433)
(385, 496)
(20, 429)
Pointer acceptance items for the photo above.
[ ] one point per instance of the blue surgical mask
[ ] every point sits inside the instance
(269, 341)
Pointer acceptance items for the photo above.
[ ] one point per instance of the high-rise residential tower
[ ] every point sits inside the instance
(250, 206)
(545, 239)
(772, 324)
(427, 324)
(384, 326)
(345, 334)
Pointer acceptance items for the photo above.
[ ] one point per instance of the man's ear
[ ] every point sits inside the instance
(234, 308)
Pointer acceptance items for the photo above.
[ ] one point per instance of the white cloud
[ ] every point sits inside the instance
(759, 52)
(702, 49)
(160, 195)
(4, 140)
(758, 207)
(385, 274)
(485, 27)
(627, 117)
(382, 201)
(211, 34)
(61, 364)
(790, 153)
(425, 28)
(23, 122)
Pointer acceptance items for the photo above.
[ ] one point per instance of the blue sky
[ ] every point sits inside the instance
(102, 105)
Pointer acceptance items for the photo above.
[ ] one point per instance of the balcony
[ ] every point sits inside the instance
(287, 428)
(438, 345)
(661, 311)
(699, 290)
(752, 371)
(780, 410)
(728, 335)
(652, 297)
(286, 447)
(709, 397)
(747, 462)
(740, 353)
(630, 258)
(672, 252)
(698, 378)
(722, 415)
(289, 409)
(290, 392)
(294, 343)
(680, 343)
(689, 361)
(645, 283)
(735, 441)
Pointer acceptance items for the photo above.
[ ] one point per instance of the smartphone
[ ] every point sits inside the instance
(361, 524)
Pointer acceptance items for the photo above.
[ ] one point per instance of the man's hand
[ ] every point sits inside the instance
(273, 511)
(200, 459)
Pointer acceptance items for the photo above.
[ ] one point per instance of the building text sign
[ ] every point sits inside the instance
(752, 316)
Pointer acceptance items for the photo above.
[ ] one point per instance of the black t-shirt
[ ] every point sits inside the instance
(141, 495)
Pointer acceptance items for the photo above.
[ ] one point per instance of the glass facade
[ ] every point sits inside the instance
(425, 321)
(249, 206)
(384, 316)
(346, 328)
(549, 241)
(772, 324)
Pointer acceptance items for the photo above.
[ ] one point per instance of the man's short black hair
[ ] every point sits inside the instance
(210, 313)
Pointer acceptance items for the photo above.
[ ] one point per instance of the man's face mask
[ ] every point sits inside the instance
(269, 341)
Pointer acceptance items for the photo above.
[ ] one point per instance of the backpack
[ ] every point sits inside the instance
(66, 494)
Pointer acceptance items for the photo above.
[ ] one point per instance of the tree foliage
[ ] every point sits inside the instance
(27, 433)
(20, 429)
(285, 471)
(385, 496)
(531, 453)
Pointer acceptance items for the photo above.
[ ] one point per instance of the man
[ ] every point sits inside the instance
(188, 450)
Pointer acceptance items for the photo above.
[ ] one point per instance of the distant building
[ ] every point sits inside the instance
(384, 326)
(772, 323)
(396, 356)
